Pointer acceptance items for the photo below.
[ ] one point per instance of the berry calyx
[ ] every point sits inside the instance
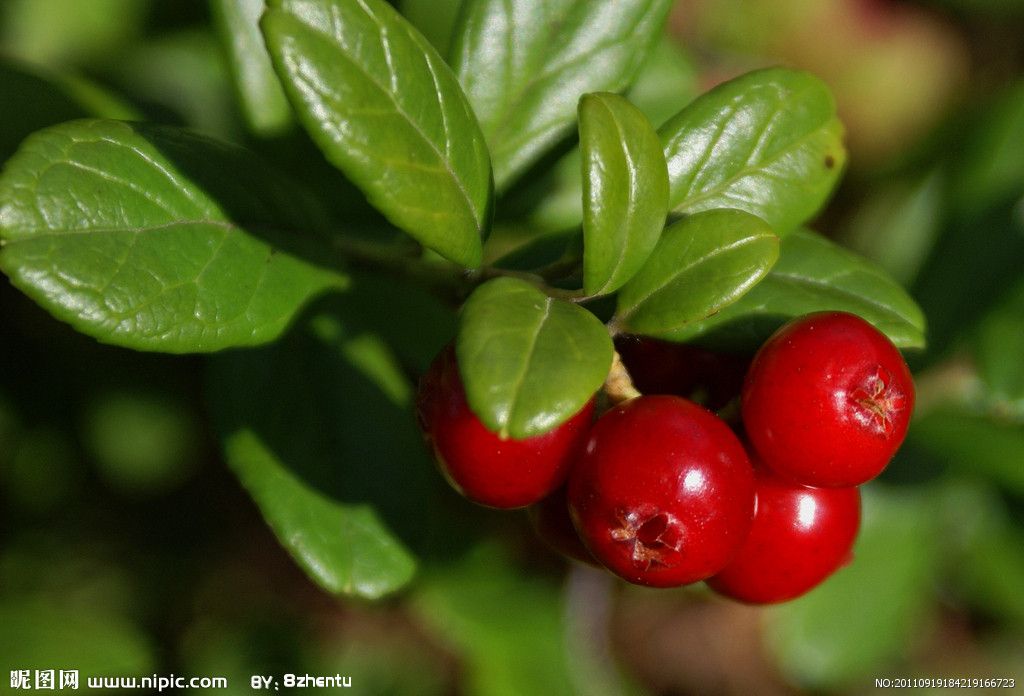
(500, 473)
(827, 400)
(800, 536)
(663, 494)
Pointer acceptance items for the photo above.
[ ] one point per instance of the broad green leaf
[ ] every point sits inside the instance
(511, 647)
(262, 99)
(529, 362)
(815, 275)
(388, 112)
(525, 63)
(974, 444)
(625, 190)
(859, 622)
(702, 264)
(435, 19)
(39, 633)
(155, 239)
(767, 142)
(320, 431)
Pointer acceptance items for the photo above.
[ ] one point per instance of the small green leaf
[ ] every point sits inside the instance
(815, 275)
(525, 63)
(702, 264)
(529, 362)
(860, 621)
(767, 142)
(264, 105)
(320, 431)
(625, 191)
(387, 111)
(154, 239)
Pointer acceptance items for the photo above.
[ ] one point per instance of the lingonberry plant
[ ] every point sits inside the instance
(692, 231)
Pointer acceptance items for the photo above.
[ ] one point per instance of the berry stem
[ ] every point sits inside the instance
(618, 386)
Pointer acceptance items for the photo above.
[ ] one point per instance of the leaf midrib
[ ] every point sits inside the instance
(528, 359)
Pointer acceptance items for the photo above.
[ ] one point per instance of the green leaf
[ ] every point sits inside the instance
(767, 142)
(974, 444)
(319, 429)
(435, 19)
(512, 647)
(529, 362)
(525, 63)
(814, 275)
(38, 633)
(155, 239)
(702, 264)
(860, 621)
(998, 347)
(625, 190)
(262, 99)
(387, 111)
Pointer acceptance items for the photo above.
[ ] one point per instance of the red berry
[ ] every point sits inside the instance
(550, 520)
(501, 473)
(800, 536)
(663, 494)
(662, 367)
(827, 400)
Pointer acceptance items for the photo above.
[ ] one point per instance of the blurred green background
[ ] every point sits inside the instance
(126, 547)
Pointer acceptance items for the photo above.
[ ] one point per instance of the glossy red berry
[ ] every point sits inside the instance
(662, 367)
(663, 494)
(827, 400)
(800, 536)
(551, 522)
(501, 473)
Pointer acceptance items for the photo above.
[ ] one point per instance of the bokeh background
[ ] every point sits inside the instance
(127, 547)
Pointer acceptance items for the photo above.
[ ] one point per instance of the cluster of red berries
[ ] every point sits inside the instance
(663, 492)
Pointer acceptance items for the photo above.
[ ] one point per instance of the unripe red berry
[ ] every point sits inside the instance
(500, 473)
(800, 536)
(827, 400)
(551, 522)
(663, 494)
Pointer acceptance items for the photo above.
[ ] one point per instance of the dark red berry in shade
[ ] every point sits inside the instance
(501, 473)
(662, 367)
(800, 536)
(551, 522)
(663, 494)
(827, 400)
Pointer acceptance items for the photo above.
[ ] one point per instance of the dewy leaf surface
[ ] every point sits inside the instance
(155, 239)
(701, 264)
(767, 142)
(385, 109)
(815, 275)
(525, 63)
(319, 428)
(529, 362)
(625, 190)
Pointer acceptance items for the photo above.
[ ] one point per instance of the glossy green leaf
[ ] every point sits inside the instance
(155, 239)
(767, 142)
(625, 190)
(860, 621)
(387, 111)
(320, 431)
(525, 63)
(435, 19)
(702, 264)
(815, 275)
(529, 362)
(262, 99)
